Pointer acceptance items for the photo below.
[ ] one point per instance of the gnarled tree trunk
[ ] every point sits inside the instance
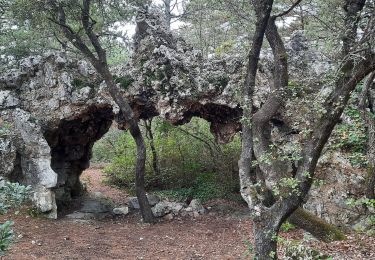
(366, 105)
(265, 237)
(99, 60)
(269, 210)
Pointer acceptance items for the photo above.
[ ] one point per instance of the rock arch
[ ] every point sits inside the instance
(65, 108)
(53, 108)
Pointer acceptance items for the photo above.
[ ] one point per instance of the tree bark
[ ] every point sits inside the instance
(150, 136)
(370, 181)
(99, 60)
(263, 9)
(265, 240)
(317, 227)
(366, 106)
(167, 13)
(136, 133)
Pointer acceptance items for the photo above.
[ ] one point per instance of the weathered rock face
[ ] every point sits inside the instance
(179, 83)
(336, 183)
(53, 108)
(51, 115)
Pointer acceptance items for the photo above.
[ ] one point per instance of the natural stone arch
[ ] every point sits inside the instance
(71, 146)
(66, 101)
(55, 107)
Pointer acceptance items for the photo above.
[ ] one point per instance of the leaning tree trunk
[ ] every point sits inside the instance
(316, 226)
(136, 133)
(99, 61)
(265, 246)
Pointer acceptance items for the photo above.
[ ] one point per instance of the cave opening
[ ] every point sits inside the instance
(71, 149)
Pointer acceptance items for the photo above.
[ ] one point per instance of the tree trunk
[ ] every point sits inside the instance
(317, 227)
(370, 182)
(366, 106)
(167, 13)
(144, 205)
(370, 178)
(265, 240)
(136, 133)
(150, 136)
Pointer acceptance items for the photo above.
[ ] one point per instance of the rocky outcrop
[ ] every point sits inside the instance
(50, 116)
(336, 184)
(53, 108)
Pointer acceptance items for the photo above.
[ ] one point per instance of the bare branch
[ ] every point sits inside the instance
(289, 10)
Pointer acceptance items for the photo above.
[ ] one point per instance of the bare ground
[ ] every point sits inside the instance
(216, 235)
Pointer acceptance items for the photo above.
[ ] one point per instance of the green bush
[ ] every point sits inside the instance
(351, 137)
(107, 148)
(190, 161)
(295, 250)
(12, 195)
(6, 236)
(287, 226)
(206, 186)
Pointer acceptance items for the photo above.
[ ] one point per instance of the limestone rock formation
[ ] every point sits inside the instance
(51, 113)
(53, 108)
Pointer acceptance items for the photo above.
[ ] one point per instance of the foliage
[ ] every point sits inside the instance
(189, 167)
(217, 27)
(12, 195)
(350, 136)
(249, 248)
(205, 187)
(287, 226)
(25, 29)
(4, 129)
(295, 250)
(6, 236)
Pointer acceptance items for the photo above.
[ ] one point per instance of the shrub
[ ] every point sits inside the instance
(6, 236)
(12, 195)
(351, 137)
(295, 250)
(287, 226)
(189, 159)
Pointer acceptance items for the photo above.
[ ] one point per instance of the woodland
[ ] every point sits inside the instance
(187, 129)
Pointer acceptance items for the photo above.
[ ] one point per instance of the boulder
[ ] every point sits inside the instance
(121, 211)
(169, 216)
(161, 209)
(152, 200)
(197, 206)
(95, 206)
(176, 207)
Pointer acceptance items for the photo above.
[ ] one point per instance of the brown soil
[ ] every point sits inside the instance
(212, 236)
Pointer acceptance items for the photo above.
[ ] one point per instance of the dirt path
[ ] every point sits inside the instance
(208, 237)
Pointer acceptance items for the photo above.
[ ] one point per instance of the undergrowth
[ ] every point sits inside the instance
(189, 167)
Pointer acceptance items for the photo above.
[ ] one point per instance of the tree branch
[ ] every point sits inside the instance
(289, 10)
